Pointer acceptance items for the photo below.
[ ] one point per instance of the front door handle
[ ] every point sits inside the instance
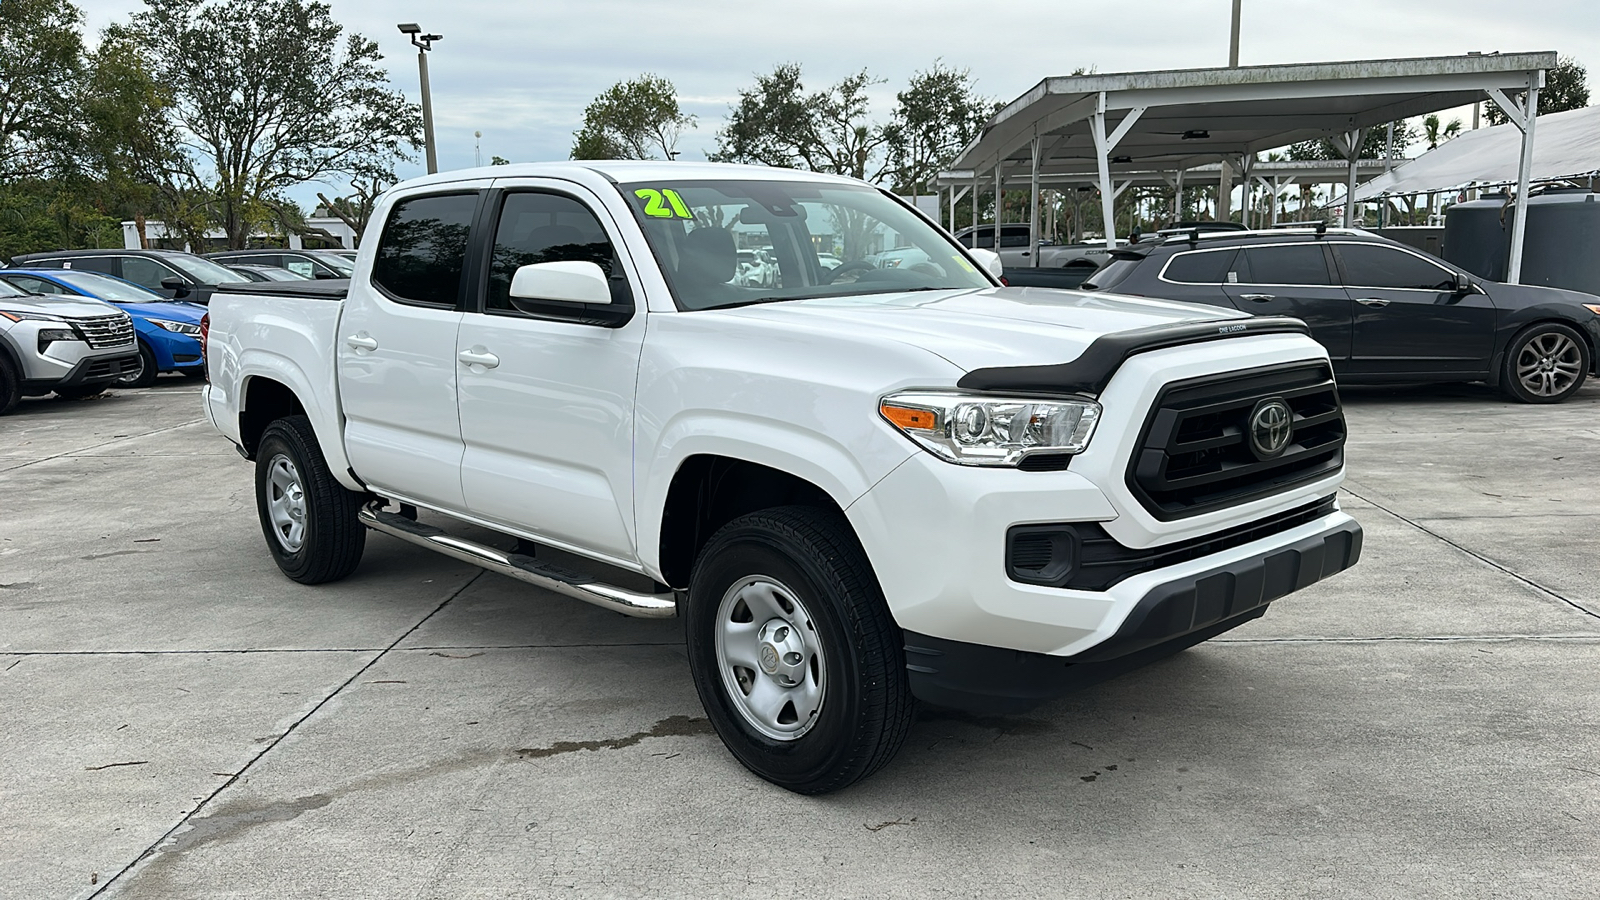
(1259, 298)
(1373, 302)
(478, 356)
(361, 341)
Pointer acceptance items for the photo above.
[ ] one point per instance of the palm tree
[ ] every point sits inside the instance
(1434, 135)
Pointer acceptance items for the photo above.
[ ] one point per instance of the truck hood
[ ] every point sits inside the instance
(991, 327)
(57, 305)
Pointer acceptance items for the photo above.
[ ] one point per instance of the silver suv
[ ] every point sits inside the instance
(75, 347)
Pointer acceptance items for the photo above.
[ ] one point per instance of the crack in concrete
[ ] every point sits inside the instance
(114, 440)
(672, 726)
(1478, 556)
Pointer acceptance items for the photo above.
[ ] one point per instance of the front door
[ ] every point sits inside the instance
(397, 350)
(1409, 318)
(1294, 280)
(546, 388)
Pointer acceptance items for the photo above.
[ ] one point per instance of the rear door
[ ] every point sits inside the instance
(1409, 320)
(548, 420)
(1295, 280)
(397, 348)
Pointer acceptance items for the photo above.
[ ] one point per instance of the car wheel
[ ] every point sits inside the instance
(10, 386)
(1545, 363)
(309, 519)
(793, 652)
(81, 393)
(145, 375)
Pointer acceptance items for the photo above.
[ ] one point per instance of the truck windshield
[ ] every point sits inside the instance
(733, 243)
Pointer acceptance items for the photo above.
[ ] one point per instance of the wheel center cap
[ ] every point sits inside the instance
(769, 659)
(781, 654)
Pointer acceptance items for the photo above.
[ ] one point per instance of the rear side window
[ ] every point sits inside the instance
(103, 264)
(1113, 273)
(423, 250)
(541, 228)
(1385, 267)
(1294, 264)
(1204, 267)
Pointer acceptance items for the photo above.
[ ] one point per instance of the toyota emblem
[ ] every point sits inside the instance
(1271, 427)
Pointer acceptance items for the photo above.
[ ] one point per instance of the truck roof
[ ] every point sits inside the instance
(630, 170)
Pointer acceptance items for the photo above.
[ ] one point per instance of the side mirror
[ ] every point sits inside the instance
(1463, 283)
(563, 282)
(176, 285)
(988, 260)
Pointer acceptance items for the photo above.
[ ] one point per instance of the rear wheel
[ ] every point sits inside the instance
(10, 386)
(793, 652)
(144, 375)
(1546, 363)
(309, 519)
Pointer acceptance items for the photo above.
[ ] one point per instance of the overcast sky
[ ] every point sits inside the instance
(522, 73)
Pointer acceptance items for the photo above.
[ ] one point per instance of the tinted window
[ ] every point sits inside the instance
(424, 248)
(1014, 237)
(105, 264)
(1296, 264)
(541, 228)
(1385, 267)
(1111, 274)
(143, 272)
(35, 285)
(1207, 267)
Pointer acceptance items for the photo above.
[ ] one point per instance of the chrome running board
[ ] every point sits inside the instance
(523, 568)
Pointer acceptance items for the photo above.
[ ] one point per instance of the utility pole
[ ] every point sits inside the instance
(477, 148)
(424, 43)
(1225, 182)
(1233, 40)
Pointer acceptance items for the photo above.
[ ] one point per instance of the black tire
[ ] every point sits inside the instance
(82, 392)
(194, 373)
(1545, 363)
(866, 707)
(10, 386)
(332, 537)
(147, 373)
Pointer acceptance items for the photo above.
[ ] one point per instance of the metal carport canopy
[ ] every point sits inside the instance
(1179, 119)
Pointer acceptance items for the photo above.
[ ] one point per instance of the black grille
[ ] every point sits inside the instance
(1194, 455)
(1045, 462)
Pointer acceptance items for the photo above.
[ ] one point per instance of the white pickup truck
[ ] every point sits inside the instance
(858, 485)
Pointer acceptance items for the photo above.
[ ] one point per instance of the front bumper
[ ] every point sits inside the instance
(1171, 616)
(90, 371)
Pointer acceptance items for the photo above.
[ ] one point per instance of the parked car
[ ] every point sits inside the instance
(168, 330)
(310, 263)
(73, 346)
(266, 273)
(918, 484)
(1016, 254)
(171, 273)
(1384, 311)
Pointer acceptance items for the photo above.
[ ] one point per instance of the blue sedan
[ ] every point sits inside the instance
(168, 330)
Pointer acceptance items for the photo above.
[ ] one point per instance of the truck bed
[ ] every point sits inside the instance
(310, 289)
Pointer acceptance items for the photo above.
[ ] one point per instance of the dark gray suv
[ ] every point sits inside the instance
(1386, 312)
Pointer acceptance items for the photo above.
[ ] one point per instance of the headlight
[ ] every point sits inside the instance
(974, 430)
(30, 316)
(179, 327)
(48, 336)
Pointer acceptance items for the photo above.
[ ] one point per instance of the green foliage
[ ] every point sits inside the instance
(632, 120)
(776, 123)
(938, 114)
(1565, 87)
(1372, 146)
(1435, 134)
(41, 67)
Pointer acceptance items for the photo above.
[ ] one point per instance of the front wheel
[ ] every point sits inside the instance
(310, 520)
(793, 652)
(144, 375)
(1546, 363)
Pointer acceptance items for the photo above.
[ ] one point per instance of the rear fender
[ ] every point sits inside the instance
(318, 395)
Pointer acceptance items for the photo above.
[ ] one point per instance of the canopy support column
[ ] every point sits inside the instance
(1177, 200)
(974, 207)
(1033, 206)
(1245, 164)
(1349, 144)
(1103, 145)
(1524, 116)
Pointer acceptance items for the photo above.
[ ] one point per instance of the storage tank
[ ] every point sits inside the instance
(1563, 242)
(1475, 237)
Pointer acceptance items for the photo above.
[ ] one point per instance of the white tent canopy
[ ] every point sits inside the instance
(1568, 147)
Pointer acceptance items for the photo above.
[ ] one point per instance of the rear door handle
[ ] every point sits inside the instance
(361, 341)
(1259, 298)
(478, 356)
(1373, 302)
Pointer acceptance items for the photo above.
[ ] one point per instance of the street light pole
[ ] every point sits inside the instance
(1233, 40)
(424, 43)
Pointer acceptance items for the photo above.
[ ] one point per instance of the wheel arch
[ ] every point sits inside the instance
(1516, 328)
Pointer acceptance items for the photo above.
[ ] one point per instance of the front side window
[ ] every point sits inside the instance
(1014, 237)
(1293, 264)
(203, 271)
(731, 243)
(144, 272)
(541, 228)
(1370, 265)
(423, 249)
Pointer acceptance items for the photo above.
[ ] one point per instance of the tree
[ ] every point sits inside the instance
(938, 114)
(265, 97)
(41, 63)
(1373, 144)
(632, 120)
(1434, 134)
(1565, 87)
(776, 123)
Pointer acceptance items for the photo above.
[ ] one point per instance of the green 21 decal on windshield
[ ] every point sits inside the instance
(664, 204)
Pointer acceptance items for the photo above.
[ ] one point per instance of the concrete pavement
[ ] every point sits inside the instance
(179, 720)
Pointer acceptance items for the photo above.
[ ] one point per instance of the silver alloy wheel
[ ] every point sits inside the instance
(770, 656)
(130, 378)
(1548, 364)
(286, 503)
